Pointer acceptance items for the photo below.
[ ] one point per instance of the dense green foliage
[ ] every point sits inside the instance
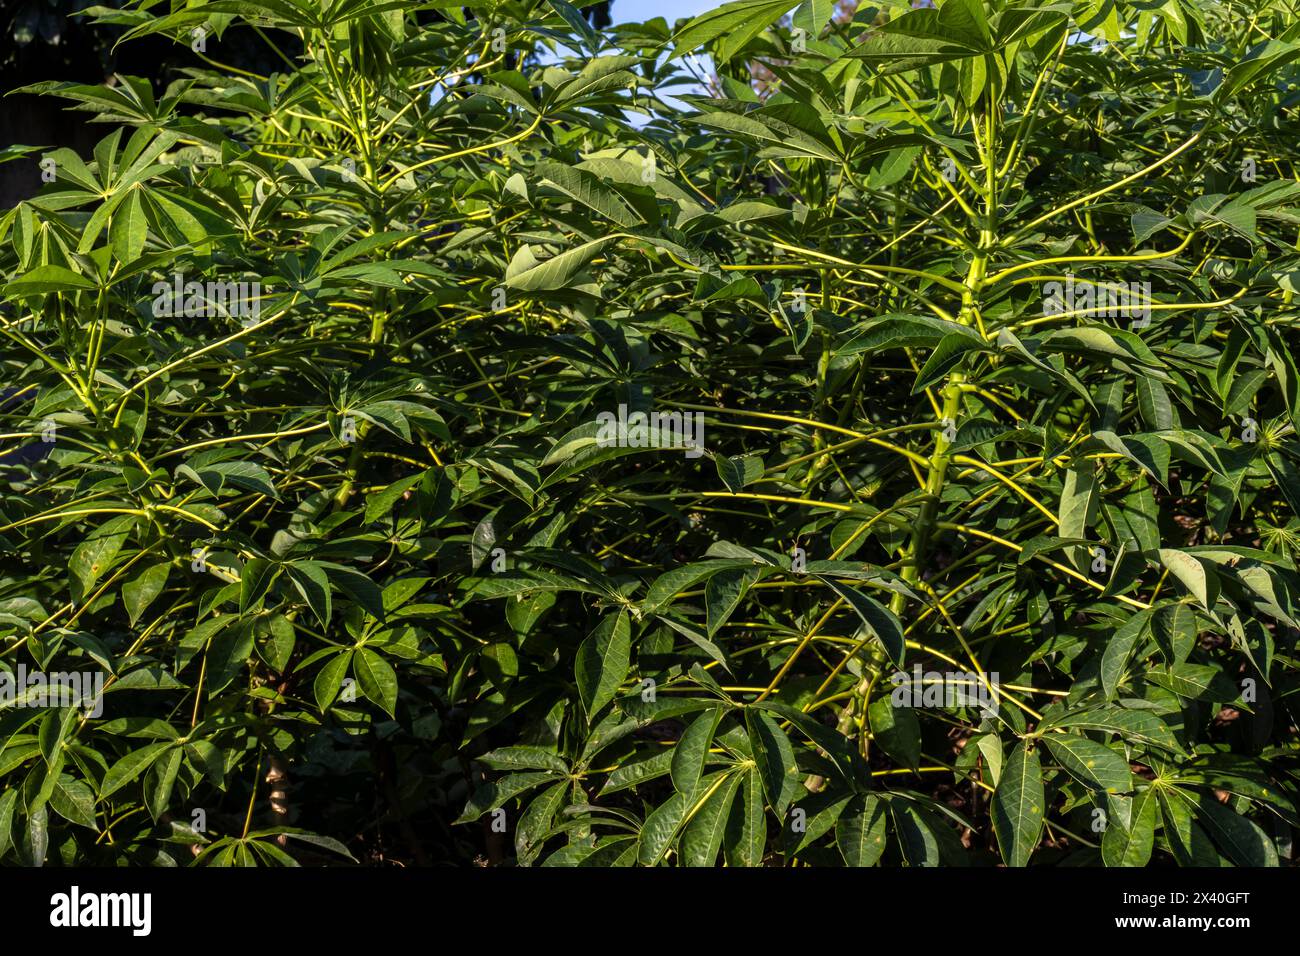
(363, 571)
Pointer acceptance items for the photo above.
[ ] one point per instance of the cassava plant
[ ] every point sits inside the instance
(453, 447)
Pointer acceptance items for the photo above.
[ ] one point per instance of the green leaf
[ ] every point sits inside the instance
(1137, 725)
(702, 837)
(215, 476)
(1241, 839)
(696, 637)
(1119, 648)
(501, 664)
(736, 23)
(740, 470)
(1188, 841)
(525, 758)
(330, 678)
(952, 348)
(811, 16)
(881, 621)
(377, 679)
(537, 819)
(1092, 764)
(144, 588)
(784, 138)
(129, 228)
(725, 592)
(1018, 806)
(379, 505)
(527, 273)
(1175, 629)
(692, 750)
(955, 31)
(775, 758)
(672, 583)
(496, 793)
(660, 828)
(602, 662)
(130, 766)
(1193, 574)
(165, 770)
(228, 653)
(74, 801)
(746, 832)
(918, 840)
(1131, 844)
(1078, 508)
(254, 581)
(1154, 404)
(8, 800)
(314, 586)
(45, 279)
(1195, 682)
(896, 730)
(92, 558)
(590, 191)
(861, 830)
(577, 22)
